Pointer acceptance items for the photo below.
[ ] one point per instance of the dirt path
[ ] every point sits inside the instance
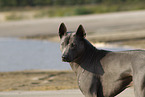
(110, 23)
(58, 93)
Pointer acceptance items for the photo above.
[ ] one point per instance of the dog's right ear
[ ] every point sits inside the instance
(62, 30)
(81, 32)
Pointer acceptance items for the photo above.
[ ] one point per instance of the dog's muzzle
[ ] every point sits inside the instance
(65, 58)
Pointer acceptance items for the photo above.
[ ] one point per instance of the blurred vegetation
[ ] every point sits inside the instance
(17, 3)
(51, 8)
(14, 16)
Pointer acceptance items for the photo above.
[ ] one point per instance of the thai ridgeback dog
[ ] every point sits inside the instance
(102, 73)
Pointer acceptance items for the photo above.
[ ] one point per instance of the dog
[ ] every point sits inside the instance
(102, 73)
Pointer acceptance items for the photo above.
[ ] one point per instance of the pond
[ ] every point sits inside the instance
(18, 54)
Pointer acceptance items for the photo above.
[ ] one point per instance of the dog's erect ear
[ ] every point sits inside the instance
(62, 30)
(81, 32)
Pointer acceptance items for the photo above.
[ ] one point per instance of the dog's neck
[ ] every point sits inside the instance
(90, 59)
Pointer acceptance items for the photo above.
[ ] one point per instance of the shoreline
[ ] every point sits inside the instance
(130, 40)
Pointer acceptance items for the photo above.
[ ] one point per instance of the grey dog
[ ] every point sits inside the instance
(102, 73)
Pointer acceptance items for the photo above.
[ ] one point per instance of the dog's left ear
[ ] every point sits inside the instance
(81, 32)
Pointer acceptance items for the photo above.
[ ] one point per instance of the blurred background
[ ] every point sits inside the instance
(27, 9)
(29, 42)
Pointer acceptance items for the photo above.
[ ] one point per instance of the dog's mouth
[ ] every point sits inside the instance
(66, 60)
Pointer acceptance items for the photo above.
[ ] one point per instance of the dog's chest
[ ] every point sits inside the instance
(86, 82)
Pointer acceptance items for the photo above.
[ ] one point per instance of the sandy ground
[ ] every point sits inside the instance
(37, 80)
(59, 93)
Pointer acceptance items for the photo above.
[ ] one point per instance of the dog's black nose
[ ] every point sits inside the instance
(64, 58)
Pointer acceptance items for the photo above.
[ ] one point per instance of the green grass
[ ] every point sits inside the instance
(60, 11)
(55, 12)
(14, 16)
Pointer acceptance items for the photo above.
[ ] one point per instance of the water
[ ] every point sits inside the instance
(17, 55)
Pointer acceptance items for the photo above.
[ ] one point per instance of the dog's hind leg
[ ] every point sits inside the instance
(139, 84)
(143, 86)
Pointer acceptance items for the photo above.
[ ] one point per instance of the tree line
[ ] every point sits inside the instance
(17, 3)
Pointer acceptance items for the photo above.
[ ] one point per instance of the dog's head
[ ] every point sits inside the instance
(72, 43)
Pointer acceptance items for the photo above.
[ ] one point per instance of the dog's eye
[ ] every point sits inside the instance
(73, 45)
(62, 43)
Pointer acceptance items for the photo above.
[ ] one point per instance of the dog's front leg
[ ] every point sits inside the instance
(90, 85)
(95, 89)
